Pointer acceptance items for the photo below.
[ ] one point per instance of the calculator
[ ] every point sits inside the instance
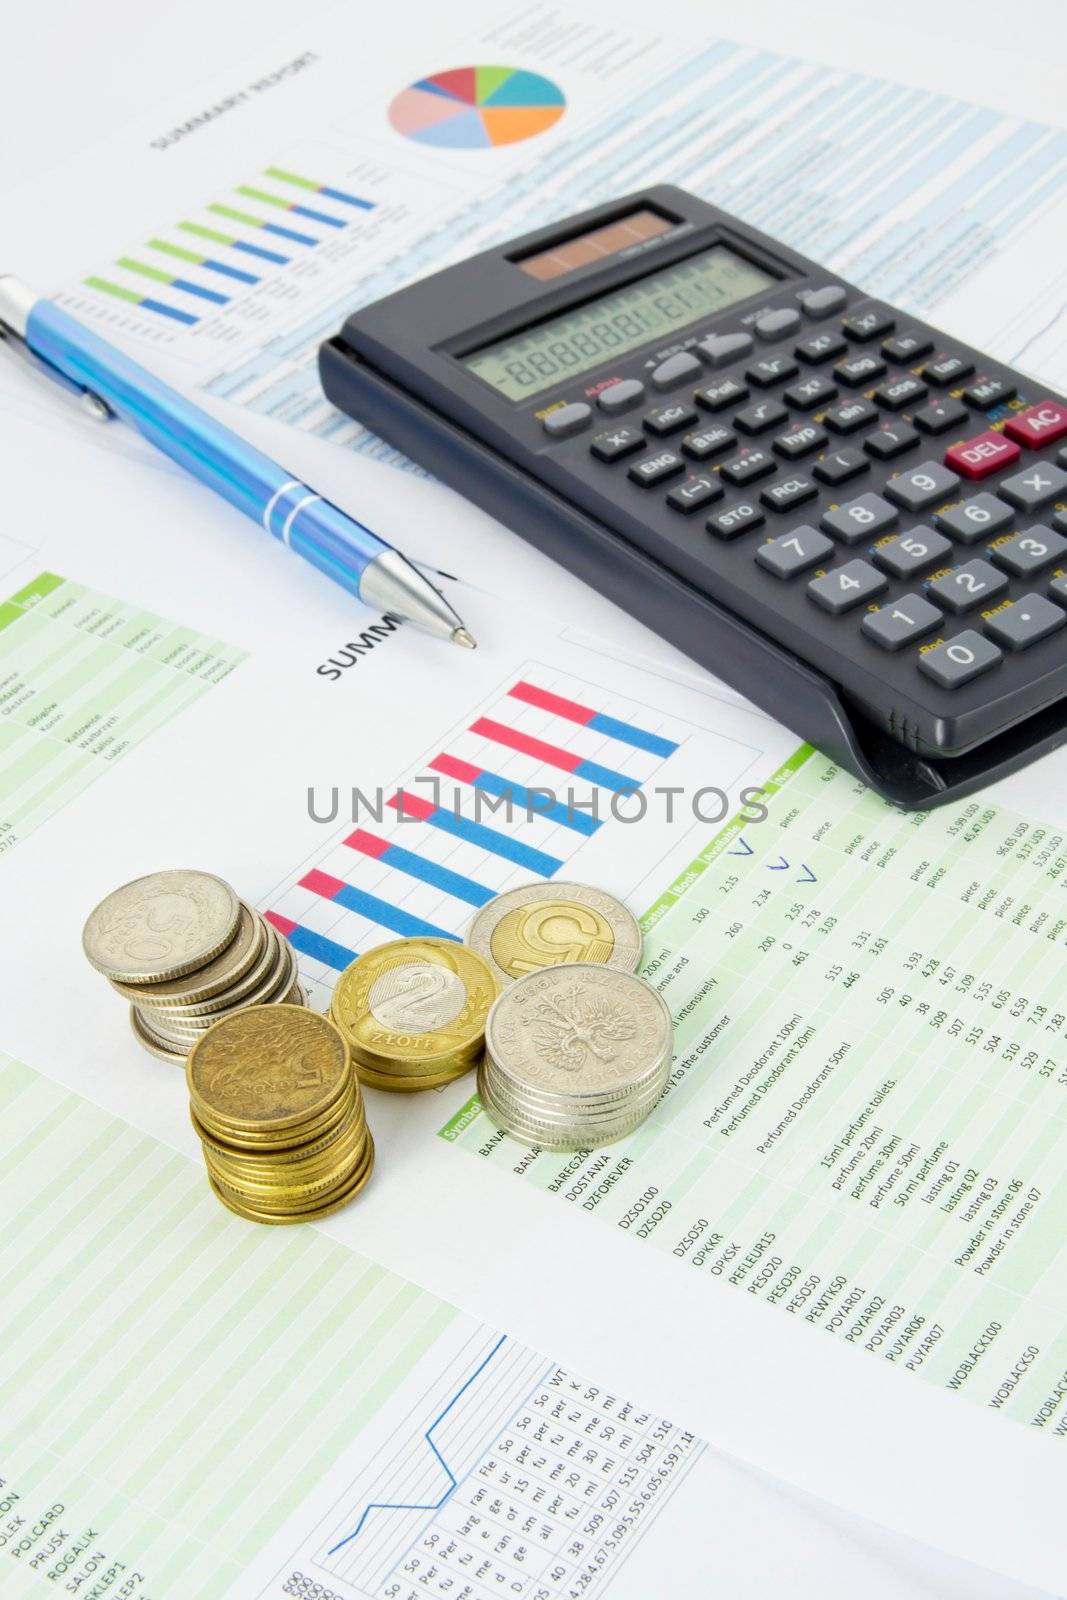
(853, 519)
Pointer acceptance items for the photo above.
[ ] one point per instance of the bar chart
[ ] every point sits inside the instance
(197, 274)
(515, 793)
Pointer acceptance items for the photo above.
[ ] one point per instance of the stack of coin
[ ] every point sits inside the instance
(413, 1012)
(547, 924)
(575, 1056)
(276, 1102)
(185, 951)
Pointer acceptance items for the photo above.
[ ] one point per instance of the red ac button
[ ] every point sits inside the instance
(985, 453)
(1041, 424)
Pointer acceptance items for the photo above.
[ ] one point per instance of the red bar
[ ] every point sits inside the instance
(1041, 424)
(570, 709)
(284, 925)
(462, 771)
(368, 844)
(321, 883)
(550, 754)
(985, 453)
(412, 805)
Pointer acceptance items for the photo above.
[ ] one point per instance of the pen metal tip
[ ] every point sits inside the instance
(467, 640)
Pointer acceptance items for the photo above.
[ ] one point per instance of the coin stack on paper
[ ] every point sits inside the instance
(185, 951)
(413, 1012)
(279, 1111)
(575, 1056)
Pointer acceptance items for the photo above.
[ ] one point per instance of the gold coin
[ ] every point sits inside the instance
(243, 951)
(271, 1140)
(257, 1214)
(161, 926)
(260, 1158)
(552, 925)
(419, 1001)
(268, 1068)
(292, 1189)
(407, 1085)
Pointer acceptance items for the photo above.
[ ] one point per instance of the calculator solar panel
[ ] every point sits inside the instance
(882, 501)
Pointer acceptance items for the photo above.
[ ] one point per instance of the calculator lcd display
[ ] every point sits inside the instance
(594, 334)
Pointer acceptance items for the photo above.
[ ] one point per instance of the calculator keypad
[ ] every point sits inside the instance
(974, 583)
(949, 562)
(847, 587)
(861, 519)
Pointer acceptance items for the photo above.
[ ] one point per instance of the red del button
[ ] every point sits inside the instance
(985, 453)
(1041, 424)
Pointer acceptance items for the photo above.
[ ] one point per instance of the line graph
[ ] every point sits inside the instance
(491, 1470)
(392, 1505)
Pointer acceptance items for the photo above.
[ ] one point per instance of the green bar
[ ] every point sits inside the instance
(262, 195)
(114, 288)
(803, 753)
(148, 272)
(238, 216)
(292, 177)
(461, 1121)
(38, 589)
(9, 613)
(176, 250)
(207, 233)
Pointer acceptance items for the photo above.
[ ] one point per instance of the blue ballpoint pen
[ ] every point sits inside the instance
(332, 541)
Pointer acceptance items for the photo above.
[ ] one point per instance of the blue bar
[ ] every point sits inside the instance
(317, 216)
(638, 737)
(205, 294)
(606, 777)
(321, 948)
(229, 272)
(349, 199)
(380, 911)
(288, 233)
(264, 255)
(498, 844)
(454, 883)
(580, 821)
(168, 311)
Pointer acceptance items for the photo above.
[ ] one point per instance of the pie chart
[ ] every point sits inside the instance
(475, 108)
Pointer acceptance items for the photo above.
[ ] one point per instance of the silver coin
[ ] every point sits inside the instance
(197, 989)
(549, 1137)
(417, 997)
(546, 1109)
(152, 1042)
(580, 1030)
(161, 927)
(549, 924)
(277, 982)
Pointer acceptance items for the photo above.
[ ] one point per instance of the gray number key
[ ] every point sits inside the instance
(910, 552)
(794, 552)
(956, 661)
(921, 486)
(860, 519)
(980, 517)
(903, 620)
(1022, 624)
(846, 587)
(1034, 487)
(1030, 550)
(973, 584)
(1058, 590)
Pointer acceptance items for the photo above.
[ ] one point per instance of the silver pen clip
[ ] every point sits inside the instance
(16, 302)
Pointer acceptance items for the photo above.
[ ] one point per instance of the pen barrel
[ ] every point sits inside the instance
(322, 533)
